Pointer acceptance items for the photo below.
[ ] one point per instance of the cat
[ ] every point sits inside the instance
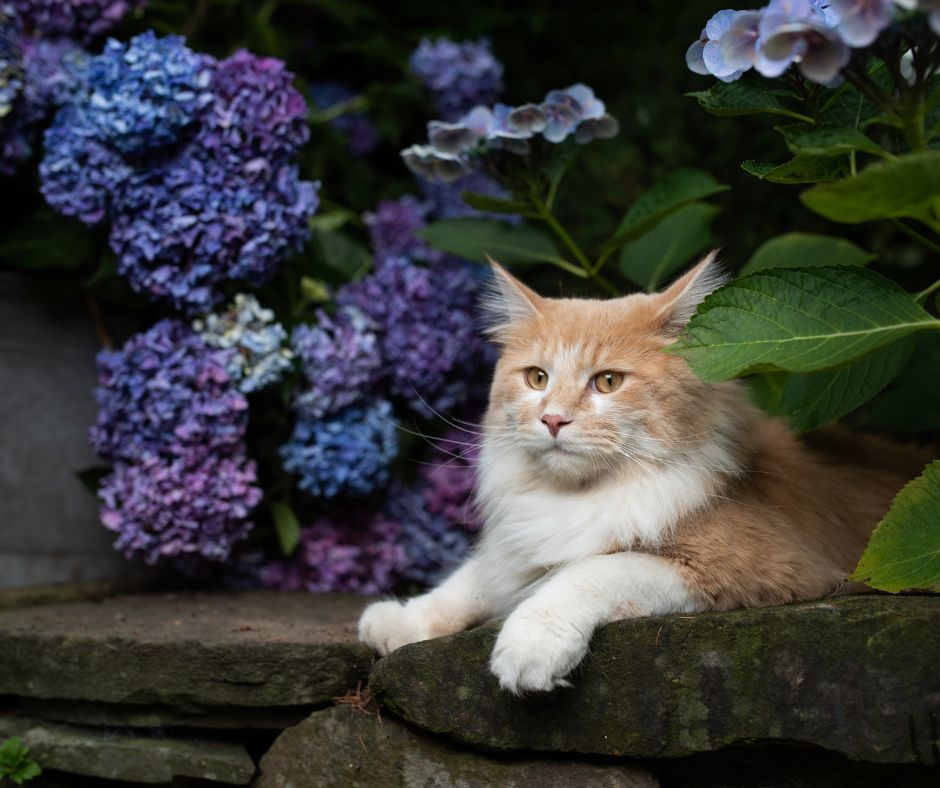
(614, 483)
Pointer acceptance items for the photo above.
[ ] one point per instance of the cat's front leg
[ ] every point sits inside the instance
(548, 634)
(458, 603)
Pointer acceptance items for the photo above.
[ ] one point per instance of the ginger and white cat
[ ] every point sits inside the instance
(615, 483)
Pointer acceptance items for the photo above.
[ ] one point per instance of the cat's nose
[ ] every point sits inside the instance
(554, 422)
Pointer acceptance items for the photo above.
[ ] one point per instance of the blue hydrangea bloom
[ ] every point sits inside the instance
(78, 19)
(194, 506)
(860, 22)
(428, 335)
(459, 75)
(166, 392)
(448, 481)
(347, 453)
(351, 551)
(183, 229)
(260, 357)
(55, 73)
(356, 128)
(340, 360)
(144, 93)
(393, 227)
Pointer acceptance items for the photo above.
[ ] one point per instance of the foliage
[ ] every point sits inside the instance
(15, 763)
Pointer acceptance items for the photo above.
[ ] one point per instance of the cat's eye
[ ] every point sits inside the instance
(608, 382)
(536, 378)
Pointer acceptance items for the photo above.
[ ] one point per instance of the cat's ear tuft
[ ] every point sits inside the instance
(505, 300)
(682, 297)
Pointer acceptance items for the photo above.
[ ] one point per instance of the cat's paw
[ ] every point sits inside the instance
(534, 653)
(385, 626)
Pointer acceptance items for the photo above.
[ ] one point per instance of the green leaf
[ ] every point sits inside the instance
(906, 186)
(485, 202)
(343, 254)
(812, 399)
(654, 257)
(673, 192)
(806, 140)
(801, 169)
(287, 526)
(474, 239)
(742, 98)
(799, 250)
(331, 221)
(797, 320)
(903, 553)
(15, 763)
(911, 403)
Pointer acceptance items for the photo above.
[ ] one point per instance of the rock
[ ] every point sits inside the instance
(856, 675)
(186, 650)
(93, 753)
(343, 748)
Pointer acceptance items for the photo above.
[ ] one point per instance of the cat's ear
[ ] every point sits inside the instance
(506, 300)
(680, 300)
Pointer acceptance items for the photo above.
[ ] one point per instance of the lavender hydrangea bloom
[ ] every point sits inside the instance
(191, 506)
(860, 22)
(348, 453)
(142, 94)
(354, 552)
(259, 358)
(257, 112)
(55, 73)
(355, 127)
(182, 229)
(459, 75)
(705, 55)
(78, 19)
(393, 227)
(340, 361)
(429, 343)
(431, 164)
(818, 50)
(164, 392)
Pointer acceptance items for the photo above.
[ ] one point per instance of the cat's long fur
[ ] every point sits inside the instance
(667, 495)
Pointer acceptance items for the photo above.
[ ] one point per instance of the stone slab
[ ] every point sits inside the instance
(855, 675)
(343, 748)
(140, 759)
(186, 650)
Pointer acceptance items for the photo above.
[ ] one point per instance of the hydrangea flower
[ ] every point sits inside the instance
(11, 61)
(196, 505)
(144, 93)
(356, 552)
(260, 357)
(355, 127)
(257, 112)
(432, 544)
(77, 19)
(183, 229)
(166, 392)
(450, 478)
(860, 22)
(429, 344)
(348, 453)
(705, 55)
(55, 73)
(340, 361)
(393, 227)
(459, 75)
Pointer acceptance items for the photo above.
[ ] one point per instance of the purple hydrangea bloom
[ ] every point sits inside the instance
(450, 479)
(355, 552)
(144, 93)
(340, 360)
(459, 75)
(860, 22)
(393, 227)
(428, 338)
(432, 544)
(347, 453)
(257, 112)
(77, 19)
(191, 506)
(166, 392)
(182, 229)
(818, 50)
(359, 132)
(55, 72)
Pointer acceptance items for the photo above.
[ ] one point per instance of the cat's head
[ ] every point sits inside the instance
(583, 388)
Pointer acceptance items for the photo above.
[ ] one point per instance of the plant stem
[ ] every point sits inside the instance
(923, 295)
(104, 336)
(910, 232)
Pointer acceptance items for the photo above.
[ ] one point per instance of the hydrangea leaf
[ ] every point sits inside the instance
(911, 403)
(286, 525)
(742, 98)
(903, 553)
(799, 250)
(908, 186)
(490, 204)
(806, 140)
(654, 257)
(673, 192)
(343, 254)
(475, 239)
(812, 399)
(801, 169)
(797, 320)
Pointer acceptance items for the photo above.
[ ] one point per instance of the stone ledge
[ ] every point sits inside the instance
(855, 675)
